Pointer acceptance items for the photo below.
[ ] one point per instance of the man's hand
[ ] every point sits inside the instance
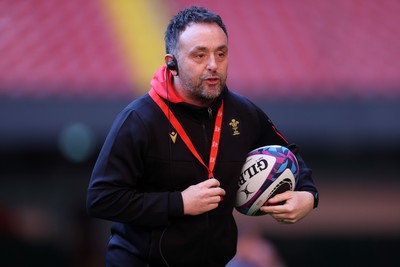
(202, 197)
(296, 205)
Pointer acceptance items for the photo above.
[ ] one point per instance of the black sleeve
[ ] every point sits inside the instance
(272, 136)
(113, 192)
(305, 181)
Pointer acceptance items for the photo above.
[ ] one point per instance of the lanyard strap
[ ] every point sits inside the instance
(175, 123)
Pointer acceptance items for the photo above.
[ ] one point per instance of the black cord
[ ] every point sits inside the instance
(159, 246)
(169, 125)
(170, 163)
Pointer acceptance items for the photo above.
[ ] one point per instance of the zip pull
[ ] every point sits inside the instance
(210, 112)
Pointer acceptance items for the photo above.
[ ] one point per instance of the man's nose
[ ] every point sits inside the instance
(212, 64)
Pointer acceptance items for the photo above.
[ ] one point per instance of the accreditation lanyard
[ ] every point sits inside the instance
(178, 127)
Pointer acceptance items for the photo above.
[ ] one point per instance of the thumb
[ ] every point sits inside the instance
(279, 199)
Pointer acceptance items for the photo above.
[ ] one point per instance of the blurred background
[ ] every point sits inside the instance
(326, 72)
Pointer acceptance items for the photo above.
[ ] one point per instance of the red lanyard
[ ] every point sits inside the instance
(174, 121)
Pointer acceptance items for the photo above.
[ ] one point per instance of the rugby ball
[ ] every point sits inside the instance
(267, 171)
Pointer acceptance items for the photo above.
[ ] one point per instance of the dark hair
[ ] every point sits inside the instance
(178, 24)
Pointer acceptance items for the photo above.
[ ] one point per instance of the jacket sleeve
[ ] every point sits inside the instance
(113, 191)
(271, 135)
(305, 182)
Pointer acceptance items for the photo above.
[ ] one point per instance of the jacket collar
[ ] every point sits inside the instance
(162, 84)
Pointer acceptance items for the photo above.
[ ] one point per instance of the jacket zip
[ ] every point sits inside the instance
(210, 115)
(207, 141)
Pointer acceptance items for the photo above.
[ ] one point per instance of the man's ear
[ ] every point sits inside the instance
(172, 64)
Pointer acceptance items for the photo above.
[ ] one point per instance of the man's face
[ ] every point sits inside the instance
(203, 62)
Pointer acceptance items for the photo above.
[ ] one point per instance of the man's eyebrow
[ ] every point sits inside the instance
(203, 48)
(222, 47)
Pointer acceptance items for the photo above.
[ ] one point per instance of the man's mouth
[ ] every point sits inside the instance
(212, 80)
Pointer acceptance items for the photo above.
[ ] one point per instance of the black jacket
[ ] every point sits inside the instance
(140, 173)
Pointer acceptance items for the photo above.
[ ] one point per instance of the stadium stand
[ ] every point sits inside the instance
(296, 50)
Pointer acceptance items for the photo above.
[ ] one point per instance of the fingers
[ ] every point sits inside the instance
(273, 210)
(281, 216)
(279, 198)
(214, 189)
(217, 191)
(202, 197)
(277, 205)
(212, 182)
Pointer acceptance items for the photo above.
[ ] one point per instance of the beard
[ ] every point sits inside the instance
(200, 90)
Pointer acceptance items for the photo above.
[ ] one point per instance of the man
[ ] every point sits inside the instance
(168, 171)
